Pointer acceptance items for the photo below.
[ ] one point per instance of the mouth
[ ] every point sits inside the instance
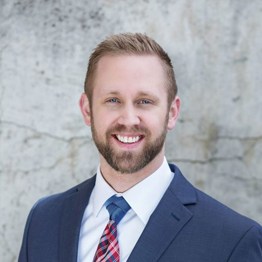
(128, 139)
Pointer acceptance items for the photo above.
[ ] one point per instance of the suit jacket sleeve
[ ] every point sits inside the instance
(249, 247)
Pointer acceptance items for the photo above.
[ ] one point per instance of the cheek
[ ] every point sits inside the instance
(100, 125)
(159, 117)
(105, 119)
(156, 121)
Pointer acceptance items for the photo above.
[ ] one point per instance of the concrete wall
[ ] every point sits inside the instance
(216, 48)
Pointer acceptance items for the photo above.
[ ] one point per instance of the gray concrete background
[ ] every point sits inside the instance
(216, 48)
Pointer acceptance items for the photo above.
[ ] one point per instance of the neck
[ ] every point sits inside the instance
(122, 182)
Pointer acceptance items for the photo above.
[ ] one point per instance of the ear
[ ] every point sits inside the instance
(85, 108)
(173, 113)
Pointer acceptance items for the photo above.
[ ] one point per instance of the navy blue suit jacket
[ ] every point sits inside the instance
(186, 226)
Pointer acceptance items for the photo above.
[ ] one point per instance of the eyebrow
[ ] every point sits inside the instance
(148, 94)
(113, 93)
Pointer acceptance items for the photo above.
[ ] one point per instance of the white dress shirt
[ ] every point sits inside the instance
(142, 198)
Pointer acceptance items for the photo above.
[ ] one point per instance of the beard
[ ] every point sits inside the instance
(127, 162)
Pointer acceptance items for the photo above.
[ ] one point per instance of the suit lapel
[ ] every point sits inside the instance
(164, 225)
(167, 220)
(73, 210)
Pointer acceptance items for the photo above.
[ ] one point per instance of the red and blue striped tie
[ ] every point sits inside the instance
(108, 247)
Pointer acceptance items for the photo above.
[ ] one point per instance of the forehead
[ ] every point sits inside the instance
(130, 70)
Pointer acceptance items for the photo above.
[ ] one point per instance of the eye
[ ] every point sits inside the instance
(145, 102)
(112, 100)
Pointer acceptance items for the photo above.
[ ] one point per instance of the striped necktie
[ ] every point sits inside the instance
(108, 247)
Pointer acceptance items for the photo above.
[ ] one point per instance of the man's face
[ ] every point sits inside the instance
(129, 115)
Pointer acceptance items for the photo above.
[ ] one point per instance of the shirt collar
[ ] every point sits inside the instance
(102, 191)
(143, 197)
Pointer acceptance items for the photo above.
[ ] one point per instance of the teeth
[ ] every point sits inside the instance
(127, 139)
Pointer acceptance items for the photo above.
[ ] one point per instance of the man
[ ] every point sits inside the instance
(137, 207)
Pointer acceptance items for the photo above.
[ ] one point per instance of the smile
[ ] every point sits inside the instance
(128, 139)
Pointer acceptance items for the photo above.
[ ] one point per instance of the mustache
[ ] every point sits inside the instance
(134, 129)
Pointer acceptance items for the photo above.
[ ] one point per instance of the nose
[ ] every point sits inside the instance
(129, 116)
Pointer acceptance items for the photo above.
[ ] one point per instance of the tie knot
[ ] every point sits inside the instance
(117, 208)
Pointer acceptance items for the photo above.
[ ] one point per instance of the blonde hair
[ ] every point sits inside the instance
(130, 44)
